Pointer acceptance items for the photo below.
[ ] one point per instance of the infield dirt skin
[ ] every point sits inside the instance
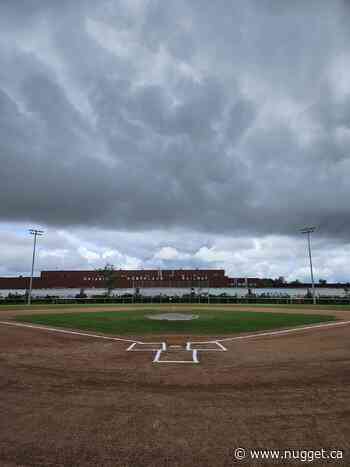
(69, 400)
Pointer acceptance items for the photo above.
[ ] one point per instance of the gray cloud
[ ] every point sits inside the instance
(227, 118)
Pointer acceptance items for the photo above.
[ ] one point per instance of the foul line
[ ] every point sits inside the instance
(216, 341)
(64, 331)
(274, 333)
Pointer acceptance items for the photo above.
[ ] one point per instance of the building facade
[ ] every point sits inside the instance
(138, 278)
(148, 278)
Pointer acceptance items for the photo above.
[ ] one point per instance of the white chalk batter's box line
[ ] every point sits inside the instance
(189, 348)
(144, 347)
(157, 358)
(163, 348)
(213, 346)
(219, 347)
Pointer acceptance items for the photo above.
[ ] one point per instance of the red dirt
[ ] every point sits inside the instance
(76, 401)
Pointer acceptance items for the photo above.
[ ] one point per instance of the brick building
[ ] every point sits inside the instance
(138, 278)
(146, 278)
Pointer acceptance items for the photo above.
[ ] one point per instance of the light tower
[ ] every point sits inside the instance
(309, 231)
(36, 233)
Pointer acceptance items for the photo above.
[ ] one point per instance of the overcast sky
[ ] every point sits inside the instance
(187, 133)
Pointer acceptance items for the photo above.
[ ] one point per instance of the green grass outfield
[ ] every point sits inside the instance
(210, 322)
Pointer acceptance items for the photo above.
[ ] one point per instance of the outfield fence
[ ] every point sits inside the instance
(173, 300)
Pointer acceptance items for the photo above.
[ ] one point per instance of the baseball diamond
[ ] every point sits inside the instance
(160, 386)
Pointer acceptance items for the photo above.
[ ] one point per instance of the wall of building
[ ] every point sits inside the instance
(122, 279)
(147, 278)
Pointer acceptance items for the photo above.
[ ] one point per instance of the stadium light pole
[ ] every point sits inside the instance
(308, 231)
(35, 233)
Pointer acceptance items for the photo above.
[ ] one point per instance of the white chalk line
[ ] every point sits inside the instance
(132, 347)
(66, 331)
(219, 347)
(215, 341)
(188, 344)
(157, 358)
(274, 333)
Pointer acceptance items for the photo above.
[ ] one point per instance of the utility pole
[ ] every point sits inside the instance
(36, 233)
(309, 231)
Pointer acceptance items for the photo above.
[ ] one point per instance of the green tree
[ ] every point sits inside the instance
(108, 273)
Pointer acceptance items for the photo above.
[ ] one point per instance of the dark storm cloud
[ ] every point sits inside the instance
(140, 115)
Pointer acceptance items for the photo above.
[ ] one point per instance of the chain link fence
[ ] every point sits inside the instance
(189, 299)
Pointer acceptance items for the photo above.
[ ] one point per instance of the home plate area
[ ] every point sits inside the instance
(169, 353)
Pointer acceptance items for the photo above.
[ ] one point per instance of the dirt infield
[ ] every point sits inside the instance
(69, 400)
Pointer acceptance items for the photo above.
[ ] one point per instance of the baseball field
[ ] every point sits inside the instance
(110, 386)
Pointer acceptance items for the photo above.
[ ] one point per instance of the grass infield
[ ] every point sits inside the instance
(213, 322)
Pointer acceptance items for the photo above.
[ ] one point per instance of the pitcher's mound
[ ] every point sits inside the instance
(173, 316)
